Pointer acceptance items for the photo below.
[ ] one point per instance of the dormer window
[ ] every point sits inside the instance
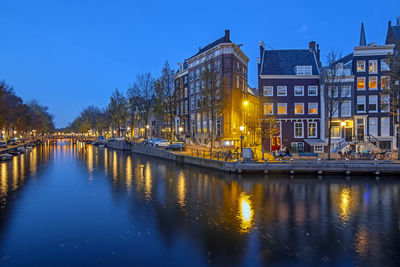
(303, 70)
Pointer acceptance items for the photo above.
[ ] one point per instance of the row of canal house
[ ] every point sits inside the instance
(290, 90)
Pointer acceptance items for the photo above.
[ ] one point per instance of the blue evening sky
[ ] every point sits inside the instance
(71, 54)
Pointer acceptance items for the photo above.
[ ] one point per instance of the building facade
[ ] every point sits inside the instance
(289, 89)
(226, 58)
(372, 113)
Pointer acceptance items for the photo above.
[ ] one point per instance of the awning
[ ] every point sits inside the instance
(315, 142)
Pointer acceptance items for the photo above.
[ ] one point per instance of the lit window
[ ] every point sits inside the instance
(361, 65)
(312, 108)
(312, 90)
(360, 103)
(312, 129)
(372, 82)
(282, 108)
(385, 103)
(298, 130)
(268, 91)
(299, 90)
(361, 83)
(385, 65)
(373, 103)
(268, 108)
(346, 109)
(373, 66)
(346, 91)
(385, 83)
(281, 91)
(299, 108)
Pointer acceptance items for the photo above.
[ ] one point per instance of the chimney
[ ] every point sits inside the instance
(398, 21)
(227, 37)
(262, 48)
(311, 46)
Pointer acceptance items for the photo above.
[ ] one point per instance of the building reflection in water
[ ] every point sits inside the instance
(227, 219)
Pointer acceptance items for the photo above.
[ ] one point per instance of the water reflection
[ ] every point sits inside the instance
(200, 216)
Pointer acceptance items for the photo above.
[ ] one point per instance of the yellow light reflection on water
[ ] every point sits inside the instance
(344, 205)
(128, 170)
(90, 158)
(181, 189)
(15, 173)
(147, 181)
(33, 161)
(3, 183)
(246, 213)
(362, 242)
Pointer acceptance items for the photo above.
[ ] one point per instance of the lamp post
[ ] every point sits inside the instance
(145, 133)
(241, 138)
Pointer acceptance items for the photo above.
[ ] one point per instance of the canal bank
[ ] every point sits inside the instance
(293, 166)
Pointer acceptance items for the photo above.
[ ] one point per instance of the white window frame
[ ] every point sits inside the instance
(365, 83)
(308, 129)
(373, 98)
(302, 129)
(309, 105)
(373, 62)
(359, 62)
(369, 80)
(295, 105)
(299, 87)
(373, 119)
(385, 98)
(388, 126)
(318, 149)
(311, 87)
(341, 109)
(272, 108)
(279, 90)
(386, 64)
(363, 102)
(388, 82)
(268, 90)
(281, 105)
(342, 91)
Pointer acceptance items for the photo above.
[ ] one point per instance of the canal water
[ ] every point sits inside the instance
(78, 205)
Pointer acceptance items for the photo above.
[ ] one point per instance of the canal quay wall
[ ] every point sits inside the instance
(293, 166)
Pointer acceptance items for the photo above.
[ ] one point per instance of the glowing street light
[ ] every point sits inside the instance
(246, 103)
(180, 129)
(241, 128)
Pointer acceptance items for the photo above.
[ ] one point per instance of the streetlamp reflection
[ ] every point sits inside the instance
(246, 213)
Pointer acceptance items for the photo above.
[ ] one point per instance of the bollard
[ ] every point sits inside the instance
(319, 165)
(377, 172)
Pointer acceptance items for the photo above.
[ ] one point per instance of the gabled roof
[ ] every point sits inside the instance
(211, 45)
(345, 59)
(283, 62)
(393, 35)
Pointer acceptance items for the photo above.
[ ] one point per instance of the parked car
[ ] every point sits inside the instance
(176, 146)
(161, 143)
(154, 140)
(3, 144)
(11, 142)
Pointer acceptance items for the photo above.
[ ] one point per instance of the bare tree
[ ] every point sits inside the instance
(213, 98)
(141, 98)
(331, 81)
(117, 109)
(165, 98)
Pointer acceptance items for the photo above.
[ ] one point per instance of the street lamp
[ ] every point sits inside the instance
(180, 129)
(241, 128)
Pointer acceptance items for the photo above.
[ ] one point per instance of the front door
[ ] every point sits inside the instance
(275, 143)
(348, 133)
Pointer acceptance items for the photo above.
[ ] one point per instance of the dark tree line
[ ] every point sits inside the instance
(19, 118)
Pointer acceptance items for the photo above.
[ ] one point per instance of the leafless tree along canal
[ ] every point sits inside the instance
(77, 205)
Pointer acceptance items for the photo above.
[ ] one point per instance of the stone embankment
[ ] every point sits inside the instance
(375, 167)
